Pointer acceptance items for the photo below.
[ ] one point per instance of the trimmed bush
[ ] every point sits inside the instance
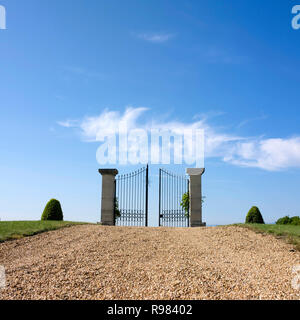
(254, 216)
(53, 211)
(295, 221)
(284, 220)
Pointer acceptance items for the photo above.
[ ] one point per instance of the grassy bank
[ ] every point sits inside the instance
(289, 233)
(10, 230)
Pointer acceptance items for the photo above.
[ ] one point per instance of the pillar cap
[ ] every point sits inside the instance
(113, 172)
(195, 171)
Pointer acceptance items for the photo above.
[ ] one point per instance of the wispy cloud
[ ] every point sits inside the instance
(108, 122)
(272, 154)
(156, 37)
(69, 123)
(247, 121)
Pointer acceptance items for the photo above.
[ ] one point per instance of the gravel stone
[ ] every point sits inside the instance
(97, 262)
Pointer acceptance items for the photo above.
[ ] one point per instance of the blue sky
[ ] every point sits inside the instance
(233, 64)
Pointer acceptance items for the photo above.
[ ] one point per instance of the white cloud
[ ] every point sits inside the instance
(108, 122)
(156, 37)
(69, 123)
(268, 154)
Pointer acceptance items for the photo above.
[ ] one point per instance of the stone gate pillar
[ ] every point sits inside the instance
(195, 197)
(108, 196)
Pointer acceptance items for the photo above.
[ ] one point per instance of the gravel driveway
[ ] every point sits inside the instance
(97, 262)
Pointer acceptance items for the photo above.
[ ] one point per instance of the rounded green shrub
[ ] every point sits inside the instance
(284, 220)
(53, 211)
(254, 216)
(295, 221)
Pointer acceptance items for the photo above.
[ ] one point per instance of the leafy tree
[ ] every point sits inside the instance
(254, 216)
(53, 211)
(185, 203)
(295, 221)
(284, 220)
(117, 210)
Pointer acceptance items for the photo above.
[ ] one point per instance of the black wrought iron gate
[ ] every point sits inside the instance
(131, 198)
(172, 187)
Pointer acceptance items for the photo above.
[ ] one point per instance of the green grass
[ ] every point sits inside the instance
(10, 230)
(289, 233)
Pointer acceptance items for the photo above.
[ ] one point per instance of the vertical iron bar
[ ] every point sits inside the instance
(162, 198)
(127, 197)
(143, 194)
(171, 201)
(130, 200)
(124, 199)
(168, 198)
(114, 204)
(140, 193)
(177, 205)
(147, 180)
(159, 199)
(137, 192)
(188, 218)
(181, 193)
(136, 197)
